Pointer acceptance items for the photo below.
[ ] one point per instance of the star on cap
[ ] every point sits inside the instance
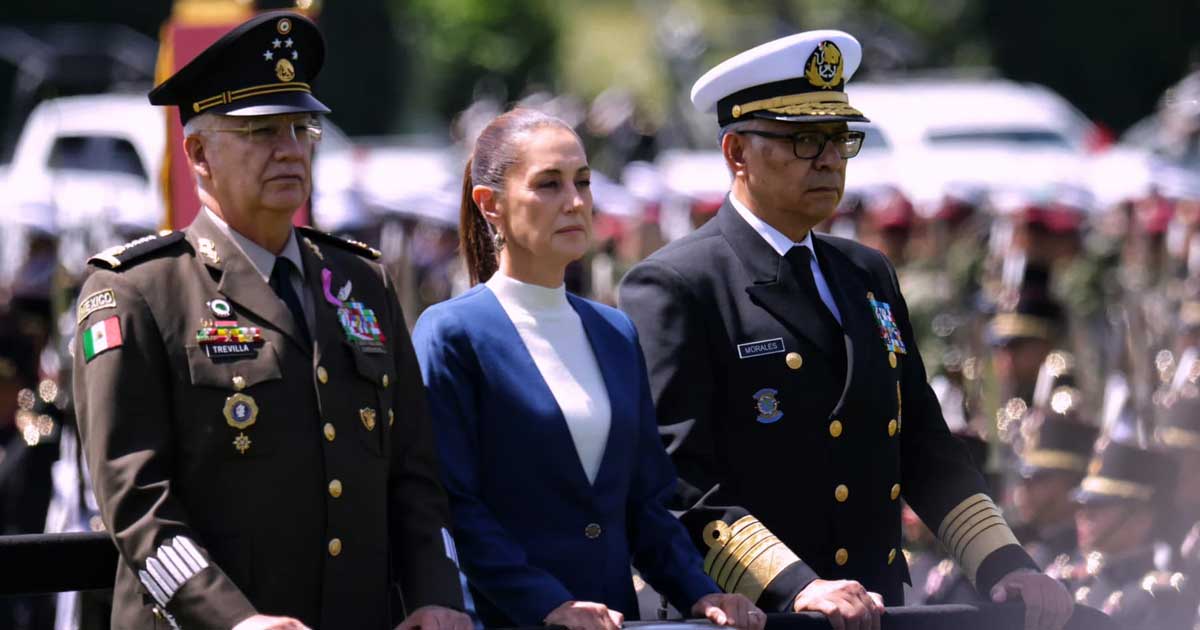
(288, 42)
(295, 55)
(247, 71)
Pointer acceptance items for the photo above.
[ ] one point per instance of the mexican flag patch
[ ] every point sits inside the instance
(101, 336)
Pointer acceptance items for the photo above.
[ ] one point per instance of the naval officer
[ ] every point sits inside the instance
(785, 371)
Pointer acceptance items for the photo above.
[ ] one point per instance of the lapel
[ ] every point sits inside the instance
(845, 280)
(239, 280)
(607, 344)
(561, 447)
(773, 285)
(324, 313)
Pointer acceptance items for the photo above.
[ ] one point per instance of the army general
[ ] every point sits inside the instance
(785, 371)
(248, 397)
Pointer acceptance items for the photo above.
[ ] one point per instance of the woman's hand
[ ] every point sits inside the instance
(585, 616)
(729, 609)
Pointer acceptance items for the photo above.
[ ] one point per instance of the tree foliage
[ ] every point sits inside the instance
(460, 49)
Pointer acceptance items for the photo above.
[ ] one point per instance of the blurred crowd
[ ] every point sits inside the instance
(1061, 330)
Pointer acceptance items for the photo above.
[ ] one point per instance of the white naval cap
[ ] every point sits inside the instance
(798, 78)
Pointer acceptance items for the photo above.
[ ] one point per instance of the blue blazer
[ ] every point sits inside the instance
(531, 531)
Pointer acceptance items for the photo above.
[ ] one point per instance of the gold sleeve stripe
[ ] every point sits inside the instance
(744, 557)
(719, 536)
(966, 522)
(952, 516)
(978, 528)
(965, 525)
(738, 549)
(973, 530)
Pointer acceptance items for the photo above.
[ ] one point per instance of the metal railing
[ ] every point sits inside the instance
(53, 563)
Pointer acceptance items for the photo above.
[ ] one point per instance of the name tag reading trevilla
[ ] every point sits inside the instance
(227, 340)
(760, 348)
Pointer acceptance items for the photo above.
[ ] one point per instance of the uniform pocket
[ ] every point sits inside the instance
(233, 374)
(226, 401)
(375, 406)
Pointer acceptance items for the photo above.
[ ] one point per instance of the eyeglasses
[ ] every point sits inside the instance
(807, 145)
(303, 131)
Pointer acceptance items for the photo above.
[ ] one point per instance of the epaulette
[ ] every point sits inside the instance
(115, 257)
(357, 247)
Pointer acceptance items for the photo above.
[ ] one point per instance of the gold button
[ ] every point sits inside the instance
(794, 360)
(835, 428)
(592, 531)
(892, 555)
(335, 488)
(841, 493)
(841, 557)
(239, 383)
(335, 546)
(892, 427)
(330, 432)
(385, 380)
(322, 374)
(391, 417)
(895, 491)
(892, 359)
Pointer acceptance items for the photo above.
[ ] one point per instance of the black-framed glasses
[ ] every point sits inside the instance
(807, 145)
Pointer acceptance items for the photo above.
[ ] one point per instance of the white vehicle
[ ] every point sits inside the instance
(358, 183)
(87, 169)
(1007, 137)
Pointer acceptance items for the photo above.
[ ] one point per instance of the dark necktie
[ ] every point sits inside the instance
(799, 259)
(282, 285)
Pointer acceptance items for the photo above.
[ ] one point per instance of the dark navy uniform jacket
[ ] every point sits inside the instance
(816, 436)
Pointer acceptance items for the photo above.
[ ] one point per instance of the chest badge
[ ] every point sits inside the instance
(241, 412)
(208, 249)
(367, 415)
(220, 309)
(888, 331)
(359, 323)
(766, 403)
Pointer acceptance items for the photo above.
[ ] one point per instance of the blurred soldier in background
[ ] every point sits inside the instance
(28, 446)
(1054, 451)
(1178, 430)
(1120, 509)
(1027, 325)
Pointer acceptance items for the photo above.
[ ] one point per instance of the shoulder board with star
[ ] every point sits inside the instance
(357, 247)
(121, 255)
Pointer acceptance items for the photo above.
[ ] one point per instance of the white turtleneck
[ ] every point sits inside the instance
(555, 338)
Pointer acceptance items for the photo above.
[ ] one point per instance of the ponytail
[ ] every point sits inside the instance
(475, 235)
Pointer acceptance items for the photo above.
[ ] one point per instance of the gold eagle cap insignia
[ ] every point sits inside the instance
(824, 66)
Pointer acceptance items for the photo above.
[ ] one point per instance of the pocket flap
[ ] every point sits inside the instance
(207, 372)
(377, 368)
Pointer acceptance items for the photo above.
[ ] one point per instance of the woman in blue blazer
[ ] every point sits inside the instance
(542, 410)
